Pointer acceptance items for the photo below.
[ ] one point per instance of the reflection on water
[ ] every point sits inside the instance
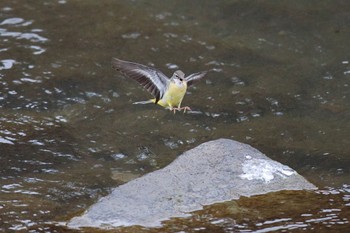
(279, 81)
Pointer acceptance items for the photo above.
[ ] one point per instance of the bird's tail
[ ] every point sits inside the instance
(144, 102)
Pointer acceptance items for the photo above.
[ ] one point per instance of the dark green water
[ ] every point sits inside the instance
(280, 82)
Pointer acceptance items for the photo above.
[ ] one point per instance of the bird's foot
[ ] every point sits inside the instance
(186, 108)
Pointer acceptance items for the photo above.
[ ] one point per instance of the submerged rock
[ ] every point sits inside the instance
(213, 172)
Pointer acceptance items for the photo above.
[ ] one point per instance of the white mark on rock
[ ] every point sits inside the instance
(262, 169)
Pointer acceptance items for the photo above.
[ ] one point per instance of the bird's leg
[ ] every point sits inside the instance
(186, 108)
(172, 109)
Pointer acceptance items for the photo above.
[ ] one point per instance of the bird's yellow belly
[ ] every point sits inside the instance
(173, 96)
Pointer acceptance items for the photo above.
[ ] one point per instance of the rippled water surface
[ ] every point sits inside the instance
(279, 81)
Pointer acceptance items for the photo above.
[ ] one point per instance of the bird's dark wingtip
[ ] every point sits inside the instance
(157, 98)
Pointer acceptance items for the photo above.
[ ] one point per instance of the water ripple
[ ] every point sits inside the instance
(5, 141)
(6, 64)
(21, 33)
(132, 35)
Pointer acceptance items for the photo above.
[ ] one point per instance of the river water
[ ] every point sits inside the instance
(69, 133)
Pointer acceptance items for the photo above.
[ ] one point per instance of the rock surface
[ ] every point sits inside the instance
(213, 172)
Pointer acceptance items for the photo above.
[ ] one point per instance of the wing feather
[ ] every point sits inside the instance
(150, 78)
(192, 78)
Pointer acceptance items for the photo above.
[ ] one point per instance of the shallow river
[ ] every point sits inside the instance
(69, 133)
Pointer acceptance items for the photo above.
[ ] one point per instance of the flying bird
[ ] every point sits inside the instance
(167, 92)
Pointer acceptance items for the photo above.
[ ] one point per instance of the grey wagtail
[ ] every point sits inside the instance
(168, 92)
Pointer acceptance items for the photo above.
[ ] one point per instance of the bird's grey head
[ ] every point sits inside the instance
(178, 77)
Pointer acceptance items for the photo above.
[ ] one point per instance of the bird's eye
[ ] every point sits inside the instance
(181, 79)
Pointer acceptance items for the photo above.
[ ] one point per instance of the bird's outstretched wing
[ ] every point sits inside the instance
(192, 78)
(150, 78)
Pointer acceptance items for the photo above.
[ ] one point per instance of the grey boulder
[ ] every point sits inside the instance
(213, 172)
